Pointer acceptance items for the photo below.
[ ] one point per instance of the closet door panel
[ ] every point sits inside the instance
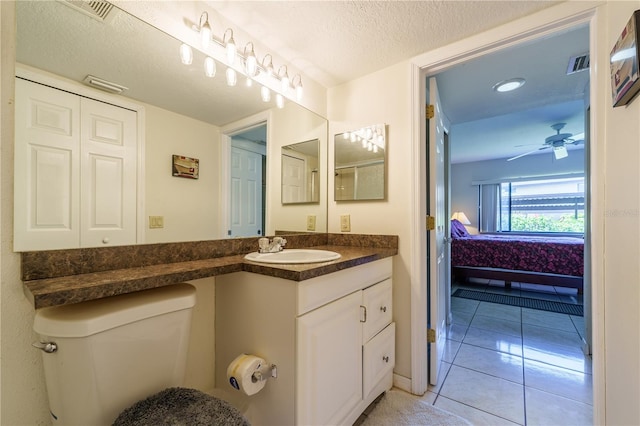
(108, 184)
(47, 152)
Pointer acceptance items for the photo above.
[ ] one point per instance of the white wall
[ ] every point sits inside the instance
(289, 125)
(189, 206)
(381, 97)
(617, 178)
(464, 195)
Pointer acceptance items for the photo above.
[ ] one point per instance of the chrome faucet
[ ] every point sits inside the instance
(274, 246)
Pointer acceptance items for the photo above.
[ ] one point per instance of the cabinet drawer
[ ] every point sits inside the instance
(379, 357)
(377, 301)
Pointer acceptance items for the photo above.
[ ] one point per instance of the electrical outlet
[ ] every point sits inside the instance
(156, 222)
(345, 223)
(311, 223)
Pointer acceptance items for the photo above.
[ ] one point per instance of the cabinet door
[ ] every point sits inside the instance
(47, 156)
(108, 175)
(329, 370)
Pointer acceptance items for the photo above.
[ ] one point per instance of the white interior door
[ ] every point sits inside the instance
(436, 247)
(293, 184)
(245, 214)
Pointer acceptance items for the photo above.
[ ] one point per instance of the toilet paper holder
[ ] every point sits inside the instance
(264, 373)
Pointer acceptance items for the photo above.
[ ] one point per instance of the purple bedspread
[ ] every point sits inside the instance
(555, 255)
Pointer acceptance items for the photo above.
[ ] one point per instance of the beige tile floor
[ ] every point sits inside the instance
(506, 365)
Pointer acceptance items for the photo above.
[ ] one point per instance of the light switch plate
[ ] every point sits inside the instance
(311, 222)
(156, 222)
(345, 223)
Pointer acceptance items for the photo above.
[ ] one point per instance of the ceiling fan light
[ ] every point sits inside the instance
(560, 152)
(509, 85)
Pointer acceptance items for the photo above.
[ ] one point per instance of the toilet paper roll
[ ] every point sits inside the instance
(240, 372)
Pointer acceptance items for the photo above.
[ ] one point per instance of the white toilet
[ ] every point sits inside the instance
(105, 355)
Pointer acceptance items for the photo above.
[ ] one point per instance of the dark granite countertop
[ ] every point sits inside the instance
(61, 277)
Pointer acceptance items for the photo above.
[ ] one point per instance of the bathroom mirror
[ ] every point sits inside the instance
(300, 172)
(180, 101)
(359, 164)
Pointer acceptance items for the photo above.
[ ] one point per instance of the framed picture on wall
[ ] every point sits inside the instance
(185, 167)
(625, 82)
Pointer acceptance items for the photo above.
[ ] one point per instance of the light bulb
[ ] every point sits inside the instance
(186, 54)
(230, 47)
(285, 82)
(209, 67)
(375, 149)
(205, 34)
(249, 82)
(232, 77)
(299, 91)
(279, 101)
(269, 66)
(265, 93)
(345, 135)
(250, 62)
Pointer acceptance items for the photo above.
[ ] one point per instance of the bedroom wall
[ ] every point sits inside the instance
(464, 195)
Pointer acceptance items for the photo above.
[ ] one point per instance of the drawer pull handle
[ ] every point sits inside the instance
(385, 358)
(383, 308)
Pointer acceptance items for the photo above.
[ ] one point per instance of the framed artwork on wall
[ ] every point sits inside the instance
(625, 81)
(185, 167)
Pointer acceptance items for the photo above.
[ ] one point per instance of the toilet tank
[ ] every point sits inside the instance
(114, 351)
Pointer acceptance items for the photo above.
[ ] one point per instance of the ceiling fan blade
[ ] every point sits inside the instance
(527, 153)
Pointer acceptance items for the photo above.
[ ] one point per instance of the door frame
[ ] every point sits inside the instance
(226, 133)
(547, 21)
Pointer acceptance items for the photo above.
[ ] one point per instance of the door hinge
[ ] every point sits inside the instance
(430, 112)
(431, 335)
(431, 223)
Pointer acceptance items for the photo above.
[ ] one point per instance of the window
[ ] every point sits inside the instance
(540, 205)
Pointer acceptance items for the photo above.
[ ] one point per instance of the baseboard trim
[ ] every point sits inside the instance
(402, 382)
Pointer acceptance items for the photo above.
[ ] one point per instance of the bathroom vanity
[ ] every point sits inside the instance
(331, 338)
(326, 326)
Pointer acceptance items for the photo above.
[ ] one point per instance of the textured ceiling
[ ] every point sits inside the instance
(336, 41)
(333, 42)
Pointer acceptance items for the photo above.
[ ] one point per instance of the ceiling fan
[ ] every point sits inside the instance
(555, 142)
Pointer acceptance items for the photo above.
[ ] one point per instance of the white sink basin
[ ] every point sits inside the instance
(294, 256)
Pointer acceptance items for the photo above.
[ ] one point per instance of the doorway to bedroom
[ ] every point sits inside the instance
(524, 336)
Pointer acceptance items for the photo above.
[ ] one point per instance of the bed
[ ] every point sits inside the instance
(555, 261)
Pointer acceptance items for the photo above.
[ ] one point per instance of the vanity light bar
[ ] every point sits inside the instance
(252, 67)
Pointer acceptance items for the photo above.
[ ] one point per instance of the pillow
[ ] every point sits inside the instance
(457, 229)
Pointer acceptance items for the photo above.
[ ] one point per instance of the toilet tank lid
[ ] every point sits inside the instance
(87, 318)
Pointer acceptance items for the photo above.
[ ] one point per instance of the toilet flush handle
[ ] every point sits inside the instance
(48, 347)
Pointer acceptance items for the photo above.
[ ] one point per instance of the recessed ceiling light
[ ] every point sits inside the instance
(509, 85)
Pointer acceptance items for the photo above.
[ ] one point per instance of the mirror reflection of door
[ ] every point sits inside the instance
(293, 179)
(247, 191)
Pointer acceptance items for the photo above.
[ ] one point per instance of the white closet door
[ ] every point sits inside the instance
(293, 179)
(108, 169)
(47, 150)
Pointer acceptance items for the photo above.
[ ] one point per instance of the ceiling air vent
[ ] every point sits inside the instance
(578, 63)
(97, 9)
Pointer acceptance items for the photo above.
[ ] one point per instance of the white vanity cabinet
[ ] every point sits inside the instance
(331, 338)
(75, 170)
